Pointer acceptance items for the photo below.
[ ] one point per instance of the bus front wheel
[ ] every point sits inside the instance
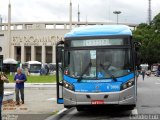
(80, 108)
(130, 107)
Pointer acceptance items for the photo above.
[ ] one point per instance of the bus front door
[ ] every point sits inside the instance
(59, 72)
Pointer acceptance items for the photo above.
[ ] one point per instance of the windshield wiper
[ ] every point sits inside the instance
(107, 71)
(83, 72)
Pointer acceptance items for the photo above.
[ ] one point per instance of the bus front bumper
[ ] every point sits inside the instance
(124, 97)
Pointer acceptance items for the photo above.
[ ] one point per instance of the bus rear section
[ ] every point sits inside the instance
(98, 67)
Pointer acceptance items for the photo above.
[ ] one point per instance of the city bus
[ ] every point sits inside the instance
(33, 67)
(98, 67)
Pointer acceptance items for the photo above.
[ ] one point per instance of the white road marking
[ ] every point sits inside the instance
(157, 83)
(134, 111)
(51, 99)
(61, 111)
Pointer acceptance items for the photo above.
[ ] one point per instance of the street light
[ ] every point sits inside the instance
(117, 13)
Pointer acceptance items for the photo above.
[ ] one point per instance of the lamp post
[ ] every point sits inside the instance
(117, 13)
(9, 27)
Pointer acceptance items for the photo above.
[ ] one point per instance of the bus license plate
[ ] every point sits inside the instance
(97, 102)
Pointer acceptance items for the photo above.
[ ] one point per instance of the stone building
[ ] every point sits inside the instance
(34, 41)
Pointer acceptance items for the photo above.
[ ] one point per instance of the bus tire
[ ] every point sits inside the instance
(79, 108)
(68, 107)
(130, 107)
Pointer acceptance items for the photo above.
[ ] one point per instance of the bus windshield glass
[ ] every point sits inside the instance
(102, 63)
(35, 67)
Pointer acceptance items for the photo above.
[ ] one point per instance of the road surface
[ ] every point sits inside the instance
(148, 103)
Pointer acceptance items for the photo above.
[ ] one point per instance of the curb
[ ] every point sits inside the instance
(60, 114)
(31, 85)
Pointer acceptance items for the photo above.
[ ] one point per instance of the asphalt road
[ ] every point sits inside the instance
(149, 96)
(148, 103)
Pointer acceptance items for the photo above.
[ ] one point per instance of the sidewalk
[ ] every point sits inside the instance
(31, 85)
(39, 104)
(9, 95)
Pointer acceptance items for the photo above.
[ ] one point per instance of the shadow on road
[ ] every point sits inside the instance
(108, 110)
(95, 113)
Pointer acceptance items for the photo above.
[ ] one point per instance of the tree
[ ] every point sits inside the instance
(149, 36)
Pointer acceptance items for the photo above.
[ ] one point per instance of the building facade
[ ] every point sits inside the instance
(34, 41)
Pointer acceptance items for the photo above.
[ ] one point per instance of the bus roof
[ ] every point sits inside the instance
(99, 30)
(33, 62)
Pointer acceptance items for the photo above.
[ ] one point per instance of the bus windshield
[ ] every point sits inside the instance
(102, 63)
(35, 67)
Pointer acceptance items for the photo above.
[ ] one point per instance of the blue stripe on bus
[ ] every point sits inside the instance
(60, 100)
(97, 87)
(126, 78)
(106, 85)
(120, 79)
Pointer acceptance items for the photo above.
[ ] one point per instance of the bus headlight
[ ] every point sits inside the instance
(68, 85)
(127, 84)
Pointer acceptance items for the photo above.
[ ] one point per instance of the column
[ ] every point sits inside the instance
(22, 54)
(23, 27)
(32, 53)
(65, 26)
(43, 54)
(53, 54)
(54, 26)
(12, 52)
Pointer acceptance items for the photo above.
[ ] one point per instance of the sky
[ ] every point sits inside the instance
(132, 11)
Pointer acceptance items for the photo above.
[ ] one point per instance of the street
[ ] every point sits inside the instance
(149, 96)
(148, 103)
(40, 103)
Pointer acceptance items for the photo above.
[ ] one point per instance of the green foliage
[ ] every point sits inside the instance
(36, 79)
(149, 36)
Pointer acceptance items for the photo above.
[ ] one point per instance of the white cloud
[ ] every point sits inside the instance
(134, 11)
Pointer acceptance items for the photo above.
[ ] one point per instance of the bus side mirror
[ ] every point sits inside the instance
(137, 59)
(59, 52)
(137, 45)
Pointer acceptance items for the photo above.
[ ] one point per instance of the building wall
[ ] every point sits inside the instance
(35, 41)
(4, 45)
(33, 38)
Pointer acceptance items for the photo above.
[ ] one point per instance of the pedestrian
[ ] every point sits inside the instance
(148, 73)
(3, 78)
(19, 78)
(143, 73)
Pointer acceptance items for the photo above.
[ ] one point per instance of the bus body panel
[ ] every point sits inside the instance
(104, 85)
(122, 79)
(125, 97)
(109, 91)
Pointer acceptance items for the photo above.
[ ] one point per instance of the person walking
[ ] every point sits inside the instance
(143, 73)
(3, 79)
(19, 78)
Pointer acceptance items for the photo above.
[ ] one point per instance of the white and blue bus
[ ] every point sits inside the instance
(98, 67)
(33, 67)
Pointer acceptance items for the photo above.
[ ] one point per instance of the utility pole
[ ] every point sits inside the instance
(117, 13)
(149, 12)
(0, 22)
(78, 14)
(70, 14)
(0, 19)
(9, 28)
